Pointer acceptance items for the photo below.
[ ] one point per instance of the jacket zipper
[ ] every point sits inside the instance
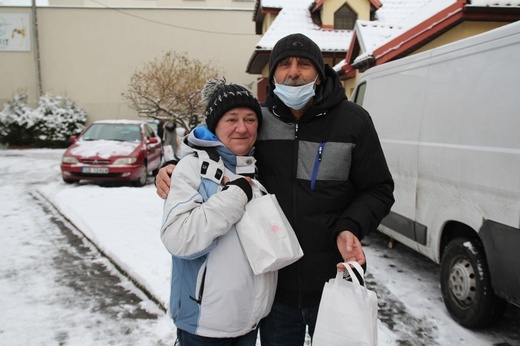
(200, 293)
(317, 162)
(295, 196)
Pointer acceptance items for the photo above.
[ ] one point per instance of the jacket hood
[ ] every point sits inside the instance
(199, 138)
(202, 138)
(328, 94)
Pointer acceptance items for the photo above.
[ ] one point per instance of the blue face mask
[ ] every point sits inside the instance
(295, 97)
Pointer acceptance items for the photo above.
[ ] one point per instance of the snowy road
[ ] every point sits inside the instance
(55, 288)
(411, 306)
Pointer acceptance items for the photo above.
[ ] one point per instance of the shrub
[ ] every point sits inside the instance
(16, 122)
(48, 126)
(56, 119)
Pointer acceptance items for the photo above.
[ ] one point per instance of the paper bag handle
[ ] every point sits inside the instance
(259, 186)
(347, 265)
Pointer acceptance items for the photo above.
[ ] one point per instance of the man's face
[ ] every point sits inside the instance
(295, 71)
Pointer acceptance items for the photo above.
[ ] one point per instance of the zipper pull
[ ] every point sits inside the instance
(317, 165)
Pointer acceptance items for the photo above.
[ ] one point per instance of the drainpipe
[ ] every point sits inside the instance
(36, 52)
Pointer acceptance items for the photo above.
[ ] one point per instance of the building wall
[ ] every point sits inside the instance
(361, 7)
(17, 68)
(156, 3)
(89, 54)
(268, 20)
(464, 30)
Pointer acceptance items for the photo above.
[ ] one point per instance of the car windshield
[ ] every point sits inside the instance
(113, 132)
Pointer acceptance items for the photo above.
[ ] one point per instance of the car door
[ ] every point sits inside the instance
(154, 148)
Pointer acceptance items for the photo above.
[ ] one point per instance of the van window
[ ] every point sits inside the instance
(359, 95)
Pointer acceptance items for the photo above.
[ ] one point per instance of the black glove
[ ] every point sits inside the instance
(243, 184)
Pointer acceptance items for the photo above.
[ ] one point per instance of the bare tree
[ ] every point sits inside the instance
(168, 88)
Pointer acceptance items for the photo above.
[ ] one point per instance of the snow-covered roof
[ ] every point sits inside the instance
(370, 33)
(393, 19)
(281, 3)
(295, 17)
(396, 17)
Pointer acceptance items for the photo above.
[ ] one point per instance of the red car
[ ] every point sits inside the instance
(113, 151)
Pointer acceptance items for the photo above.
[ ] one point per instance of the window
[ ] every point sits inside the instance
(344, 18)
(360, 94)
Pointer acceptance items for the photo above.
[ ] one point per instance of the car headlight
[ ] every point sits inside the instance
(125, 161)
(69, 159)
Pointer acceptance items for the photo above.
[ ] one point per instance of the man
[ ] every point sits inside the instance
(321, 156)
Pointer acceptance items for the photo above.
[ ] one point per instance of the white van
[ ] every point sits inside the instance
(449, 123)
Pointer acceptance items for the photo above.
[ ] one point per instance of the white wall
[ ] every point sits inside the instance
(89, 54)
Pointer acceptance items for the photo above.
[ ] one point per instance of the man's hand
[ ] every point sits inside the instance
(350, 248)
(163, 180)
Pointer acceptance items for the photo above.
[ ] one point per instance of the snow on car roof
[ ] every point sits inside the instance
(118, 121)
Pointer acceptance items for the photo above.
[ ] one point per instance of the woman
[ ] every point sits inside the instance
(215, 297)
(169, 138)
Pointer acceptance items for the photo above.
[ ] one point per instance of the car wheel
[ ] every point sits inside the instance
(466, 285)
(70, 181)
(143, 176)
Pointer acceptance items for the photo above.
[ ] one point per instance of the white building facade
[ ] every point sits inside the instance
(87, 51)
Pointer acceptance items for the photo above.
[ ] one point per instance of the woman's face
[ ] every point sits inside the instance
(237, 130)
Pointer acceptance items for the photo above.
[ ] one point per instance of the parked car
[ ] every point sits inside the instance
(154, 124)
(113, 151)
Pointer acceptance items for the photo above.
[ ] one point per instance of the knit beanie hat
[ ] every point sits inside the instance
(222, 97)
(296, 45)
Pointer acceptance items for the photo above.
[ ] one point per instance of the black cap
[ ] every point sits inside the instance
(296, 45)
(222, 97)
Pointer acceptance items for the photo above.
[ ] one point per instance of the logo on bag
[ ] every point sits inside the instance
(275, 228)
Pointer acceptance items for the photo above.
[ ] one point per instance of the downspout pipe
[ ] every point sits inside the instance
(36, 51)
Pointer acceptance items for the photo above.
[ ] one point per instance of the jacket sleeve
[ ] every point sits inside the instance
(190, 226)
(373, 185)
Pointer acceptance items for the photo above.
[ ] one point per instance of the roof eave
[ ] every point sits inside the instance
(258, 61)
(347, 72)
(436, 25)
(376, 4)
(421, 34)
(492, 13)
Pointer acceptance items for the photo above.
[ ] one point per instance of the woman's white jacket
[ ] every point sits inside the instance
(214, 292)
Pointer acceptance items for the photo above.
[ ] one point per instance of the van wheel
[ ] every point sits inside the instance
(466, 285)
(143, 175)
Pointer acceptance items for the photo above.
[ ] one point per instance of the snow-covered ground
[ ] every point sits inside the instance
(123, 222)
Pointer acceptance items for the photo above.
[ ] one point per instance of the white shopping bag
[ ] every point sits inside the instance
(348, 312)
(266, 235)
